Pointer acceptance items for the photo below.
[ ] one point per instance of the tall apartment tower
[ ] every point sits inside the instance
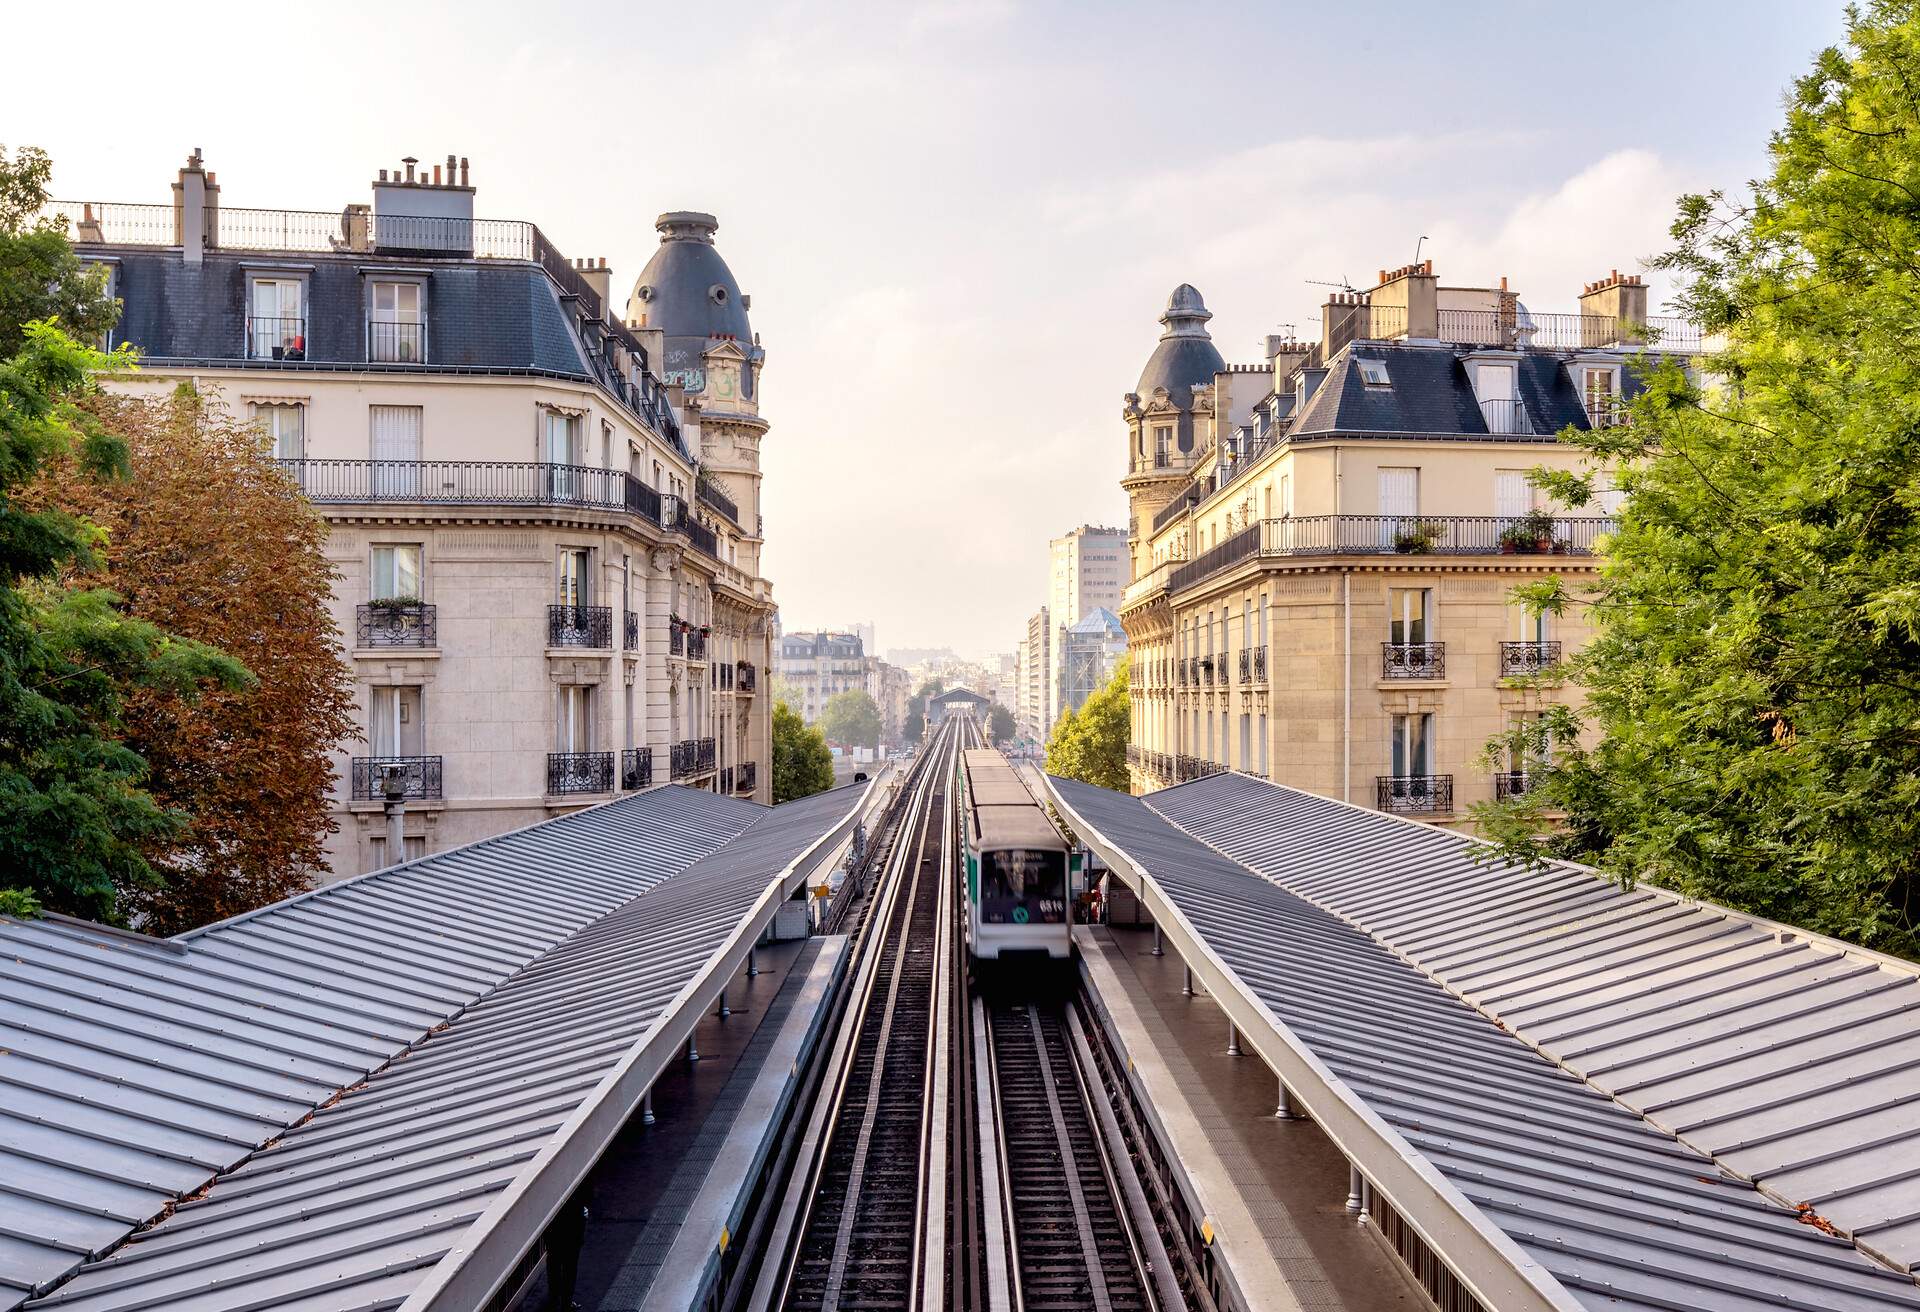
(1087, 572)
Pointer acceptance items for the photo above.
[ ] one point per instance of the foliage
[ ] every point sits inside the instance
(852, 719)
(19, 903)
(75, 818)
(40, 277)
(209, 540)
(1000, 723)
(1755, 679)
(1091, 744)
(915, 726)
(802, 764)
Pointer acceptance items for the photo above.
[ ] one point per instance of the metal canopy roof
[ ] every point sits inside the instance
(1794, 1060)
(133, 1070)
(427, 1182)
(1547, 1193)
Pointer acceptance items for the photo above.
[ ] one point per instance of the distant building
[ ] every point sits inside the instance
(1325, 545)
(817, 666)
(548, 561)
(1030, 712)
(1087, 571)
(891, 689)
(1091, 651)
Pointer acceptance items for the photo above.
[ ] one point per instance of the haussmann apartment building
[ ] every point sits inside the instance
(1324, 545)
(544, 514)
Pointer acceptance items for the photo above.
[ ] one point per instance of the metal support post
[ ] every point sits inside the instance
(725, 1010)
(646, 1107)
(1353, 1190)
(753, 964)
(1233, 1040)
(693, 1049)
(1186, 984)
(1158, 950)
(1284, 1111)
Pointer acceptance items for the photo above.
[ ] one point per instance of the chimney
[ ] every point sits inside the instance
(429, 210)
(1406, 303)
(1621, 299)
(599, 277)
(191, 192)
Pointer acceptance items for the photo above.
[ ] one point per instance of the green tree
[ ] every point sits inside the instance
(999, 723)
(802, 764)
(852, 719)
(40, 276)
(915, 725)
(1755, 678)
(1091, 744)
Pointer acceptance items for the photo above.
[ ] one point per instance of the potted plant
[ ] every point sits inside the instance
(1418, 538)
(1538, 523)
(390, 604)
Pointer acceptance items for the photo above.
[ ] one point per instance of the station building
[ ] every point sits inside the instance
(549, 586)
(1324, 545)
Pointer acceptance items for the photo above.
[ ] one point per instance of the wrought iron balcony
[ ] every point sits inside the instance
(630, 631)
(692, 756)
(724, 785)
(713, 497)
(1193, 767)
(676, 636)
(276, 337)
(1259, 664)
(696, 645)
(746, 673)
(1414, 794)
(420, 777)
(394, 624)
(1509, 783)
(1524, 658)
(580, 626)
(636, 767)
(472, 483)
(1413, 660)
(744, 780)
(396, 343)
(579, 772)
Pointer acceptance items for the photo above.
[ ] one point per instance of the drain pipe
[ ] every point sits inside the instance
(1346, 711)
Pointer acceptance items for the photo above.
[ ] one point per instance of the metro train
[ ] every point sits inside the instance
(1020, 871)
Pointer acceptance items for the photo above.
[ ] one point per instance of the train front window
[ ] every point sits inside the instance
(1023, 886)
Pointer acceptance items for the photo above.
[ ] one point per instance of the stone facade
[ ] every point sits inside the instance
(548, 580)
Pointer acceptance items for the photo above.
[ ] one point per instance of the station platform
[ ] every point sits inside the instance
(665, 1194)
(1272, 1191)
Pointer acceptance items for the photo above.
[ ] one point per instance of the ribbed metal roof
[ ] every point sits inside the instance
(1620, 1213)
(441, 1168)
(1793, 1060)
(132, 1070)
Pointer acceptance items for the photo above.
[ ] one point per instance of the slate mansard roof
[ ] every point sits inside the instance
(1447, 999)
(138, 1071)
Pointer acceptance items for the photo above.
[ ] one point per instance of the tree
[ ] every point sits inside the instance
(1755, 678)
(40, 276)
(802, 764)
(1091, 744)
(999, 723)
(915, 726)
(211, 541)
(851, 718)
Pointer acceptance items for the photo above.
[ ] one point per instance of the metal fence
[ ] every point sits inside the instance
(580, 626)
(636, 767)
(419, 777)
(394, 624)
(579, 772)
(276, 337)
(1413, 660)
(1524, 658)
(1414, 794)
(390, 342)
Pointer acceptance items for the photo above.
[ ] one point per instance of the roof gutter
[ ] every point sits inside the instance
(491, 1248)
(1486, 1259)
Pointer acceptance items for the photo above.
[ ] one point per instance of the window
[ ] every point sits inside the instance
(396, 727)
(1399, 504)
(395, 432)
(1374, 373)
(1413, 744)
(1263, 745)
(1162, 446)
(413, 847)
(1597, 391)
(1524, 624)
(1407, 615)
(1499, 401)
(396, 571)
(575, 577)
(276, 320)
(1512, 495)
(573, 722)
(396, 324)
(560, 448)
(286, 425)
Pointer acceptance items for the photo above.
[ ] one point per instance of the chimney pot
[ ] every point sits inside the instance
(463, 170)
(449, 170)
(409, 161)
(383, 175)
(436, 175)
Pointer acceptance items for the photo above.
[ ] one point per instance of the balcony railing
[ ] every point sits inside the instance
(1506, 414)
(724, 784)
(676, 637)
(746, 673)
(1509, 783)
(394, 624)
(1413, 660)
(1253, 665)
(1414, 794)
(714, 498)
(420, 777)
(744, 777)
(696, 645)
(472, 483)
(1382, 535)
(1568, 332)
(636, 767)
(1524, 658)
(630, 631)
(276, 338)
(1371, 323)
(1193, 767)
(396, 343)
(579, 772)
(692, 756)
(580, 626)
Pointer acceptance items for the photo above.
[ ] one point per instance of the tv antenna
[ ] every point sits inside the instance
(1343, 284)
(1416, 249)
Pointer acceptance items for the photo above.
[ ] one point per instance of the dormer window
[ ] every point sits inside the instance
(1600, 395)
(397, 323)
(1374, 373)
(277, 320)
(1162, 446)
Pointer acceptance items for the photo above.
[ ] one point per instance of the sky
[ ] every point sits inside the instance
(958, 220)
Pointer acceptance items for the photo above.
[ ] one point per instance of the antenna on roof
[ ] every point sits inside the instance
(1416, 249)
(1343, 284)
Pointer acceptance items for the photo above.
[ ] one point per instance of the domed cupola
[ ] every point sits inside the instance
(689, 294)
(1186, 357)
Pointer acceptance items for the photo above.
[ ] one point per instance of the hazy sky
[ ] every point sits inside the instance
(958, 221)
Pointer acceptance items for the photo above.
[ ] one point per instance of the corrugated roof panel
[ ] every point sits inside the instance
(1633, 990)
(355, 1206)
(1622, 1213)
(133, 1069)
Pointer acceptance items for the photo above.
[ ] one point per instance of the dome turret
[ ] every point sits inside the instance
(1186, 357)
(688, 293)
